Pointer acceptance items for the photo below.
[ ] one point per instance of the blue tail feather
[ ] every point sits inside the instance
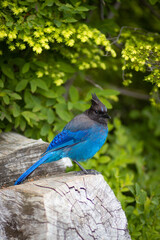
(30, 170)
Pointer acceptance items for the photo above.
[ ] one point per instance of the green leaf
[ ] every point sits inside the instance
(45, 129)
(59, 126)
(21, 85)
(138, 190)
(15, 96)
(70, 20)
(41, 84)
(2, 94)
(69, 5)
(16, 110)
(103, 149)
(4, 114)
(50, 102)
(62, 113)
(17, 122)
(50, 136)
(50, 116)
(6, 99)
(25, 67)
(61, 99)
(104, 159)
(132, 189)
(33, 84)
(37, 108)
(28, 99)
(49, 3)
(60, 91)
(134, 114)
(73, 93)
(9, 24)
(142, 197)
(42, 116)
(57, 22)
(22, 124)
(129, 209)
(108, 92)
(81, 106)
(106, 103)
(29, 115)
(7, 70)
(48, 94)
(65, 8)
(70, 105)
(81, 9)
(1, 83)
(8, 117)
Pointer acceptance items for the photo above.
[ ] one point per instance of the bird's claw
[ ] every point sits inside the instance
(92, 171)
(88, 172)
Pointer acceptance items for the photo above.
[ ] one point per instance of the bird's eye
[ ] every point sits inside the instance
(96, 111)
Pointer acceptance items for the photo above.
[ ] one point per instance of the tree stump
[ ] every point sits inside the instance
(66, 206)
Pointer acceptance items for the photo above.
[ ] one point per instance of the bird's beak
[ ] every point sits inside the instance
(107, 116)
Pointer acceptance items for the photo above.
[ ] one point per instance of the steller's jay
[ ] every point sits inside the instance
(80, 139)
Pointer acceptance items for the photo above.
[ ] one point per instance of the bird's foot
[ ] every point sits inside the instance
(84, 171)
(88, 172)
(92, 171)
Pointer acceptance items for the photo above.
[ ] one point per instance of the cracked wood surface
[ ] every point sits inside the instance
(68, 206)
(18, 153)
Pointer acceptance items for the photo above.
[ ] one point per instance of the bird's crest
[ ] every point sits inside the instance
(97, 103)
(95, 99)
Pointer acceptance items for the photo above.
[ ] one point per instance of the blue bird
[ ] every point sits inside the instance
(80, 139)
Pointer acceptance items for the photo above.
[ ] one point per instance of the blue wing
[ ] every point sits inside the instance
(74, 132)
(66, 139)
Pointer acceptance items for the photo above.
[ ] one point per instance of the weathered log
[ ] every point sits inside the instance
(18, 153)
(65, 207)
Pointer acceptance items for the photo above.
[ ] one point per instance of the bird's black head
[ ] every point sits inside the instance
(97, 111)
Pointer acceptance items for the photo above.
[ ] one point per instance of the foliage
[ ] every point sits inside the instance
(142, 53)
(30, 82)
(54, 54)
